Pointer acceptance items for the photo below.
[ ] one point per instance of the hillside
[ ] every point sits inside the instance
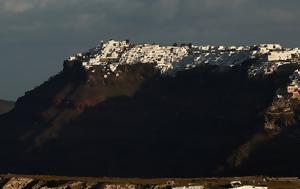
(5, 106)
(127, 110)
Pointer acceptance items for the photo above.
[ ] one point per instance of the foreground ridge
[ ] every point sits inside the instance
(60, 182)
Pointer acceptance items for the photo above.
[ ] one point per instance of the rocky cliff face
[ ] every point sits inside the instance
(184, 119)
(8, 182)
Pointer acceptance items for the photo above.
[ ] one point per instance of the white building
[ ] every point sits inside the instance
(72, 58)
(221, 48)
(280, 55)
(271, 47)
(266, 48)
(238, 185)
(240, 48)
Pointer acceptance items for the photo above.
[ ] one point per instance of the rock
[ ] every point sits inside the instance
(3, 181)
(39, 185)
(17, 183)
(93, 185)
(77, 185)
(59, 187)
(70, 185)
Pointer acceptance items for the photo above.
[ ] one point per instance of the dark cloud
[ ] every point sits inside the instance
(36, 35)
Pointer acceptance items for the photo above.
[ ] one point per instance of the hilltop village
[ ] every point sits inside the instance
(171, 59)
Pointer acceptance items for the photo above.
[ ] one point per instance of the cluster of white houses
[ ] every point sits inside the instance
(170, 59)
(163, 56)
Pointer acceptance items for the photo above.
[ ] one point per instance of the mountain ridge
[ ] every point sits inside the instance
(190, 112)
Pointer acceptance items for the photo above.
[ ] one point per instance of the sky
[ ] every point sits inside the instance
(37, 35)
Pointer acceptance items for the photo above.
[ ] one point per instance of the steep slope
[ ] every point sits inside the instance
(6, 106)
(194, 117)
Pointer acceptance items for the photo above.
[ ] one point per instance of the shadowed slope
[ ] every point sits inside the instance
(141, 124)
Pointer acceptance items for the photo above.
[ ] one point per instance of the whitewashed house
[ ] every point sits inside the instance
(72, 58)
(238, 185)
(279, 56)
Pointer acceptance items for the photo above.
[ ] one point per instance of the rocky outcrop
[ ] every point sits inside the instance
(3, 181)
(7, 182)
(69, 185)
(281, 114)
(15, 182)
(18, 183)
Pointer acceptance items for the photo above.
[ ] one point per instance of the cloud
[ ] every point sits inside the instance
(170, 8)
(15, 6)
(224, 3)
(282, 16)
(20, 6)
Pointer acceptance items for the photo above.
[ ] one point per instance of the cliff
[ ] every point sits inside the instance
(185, 118)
